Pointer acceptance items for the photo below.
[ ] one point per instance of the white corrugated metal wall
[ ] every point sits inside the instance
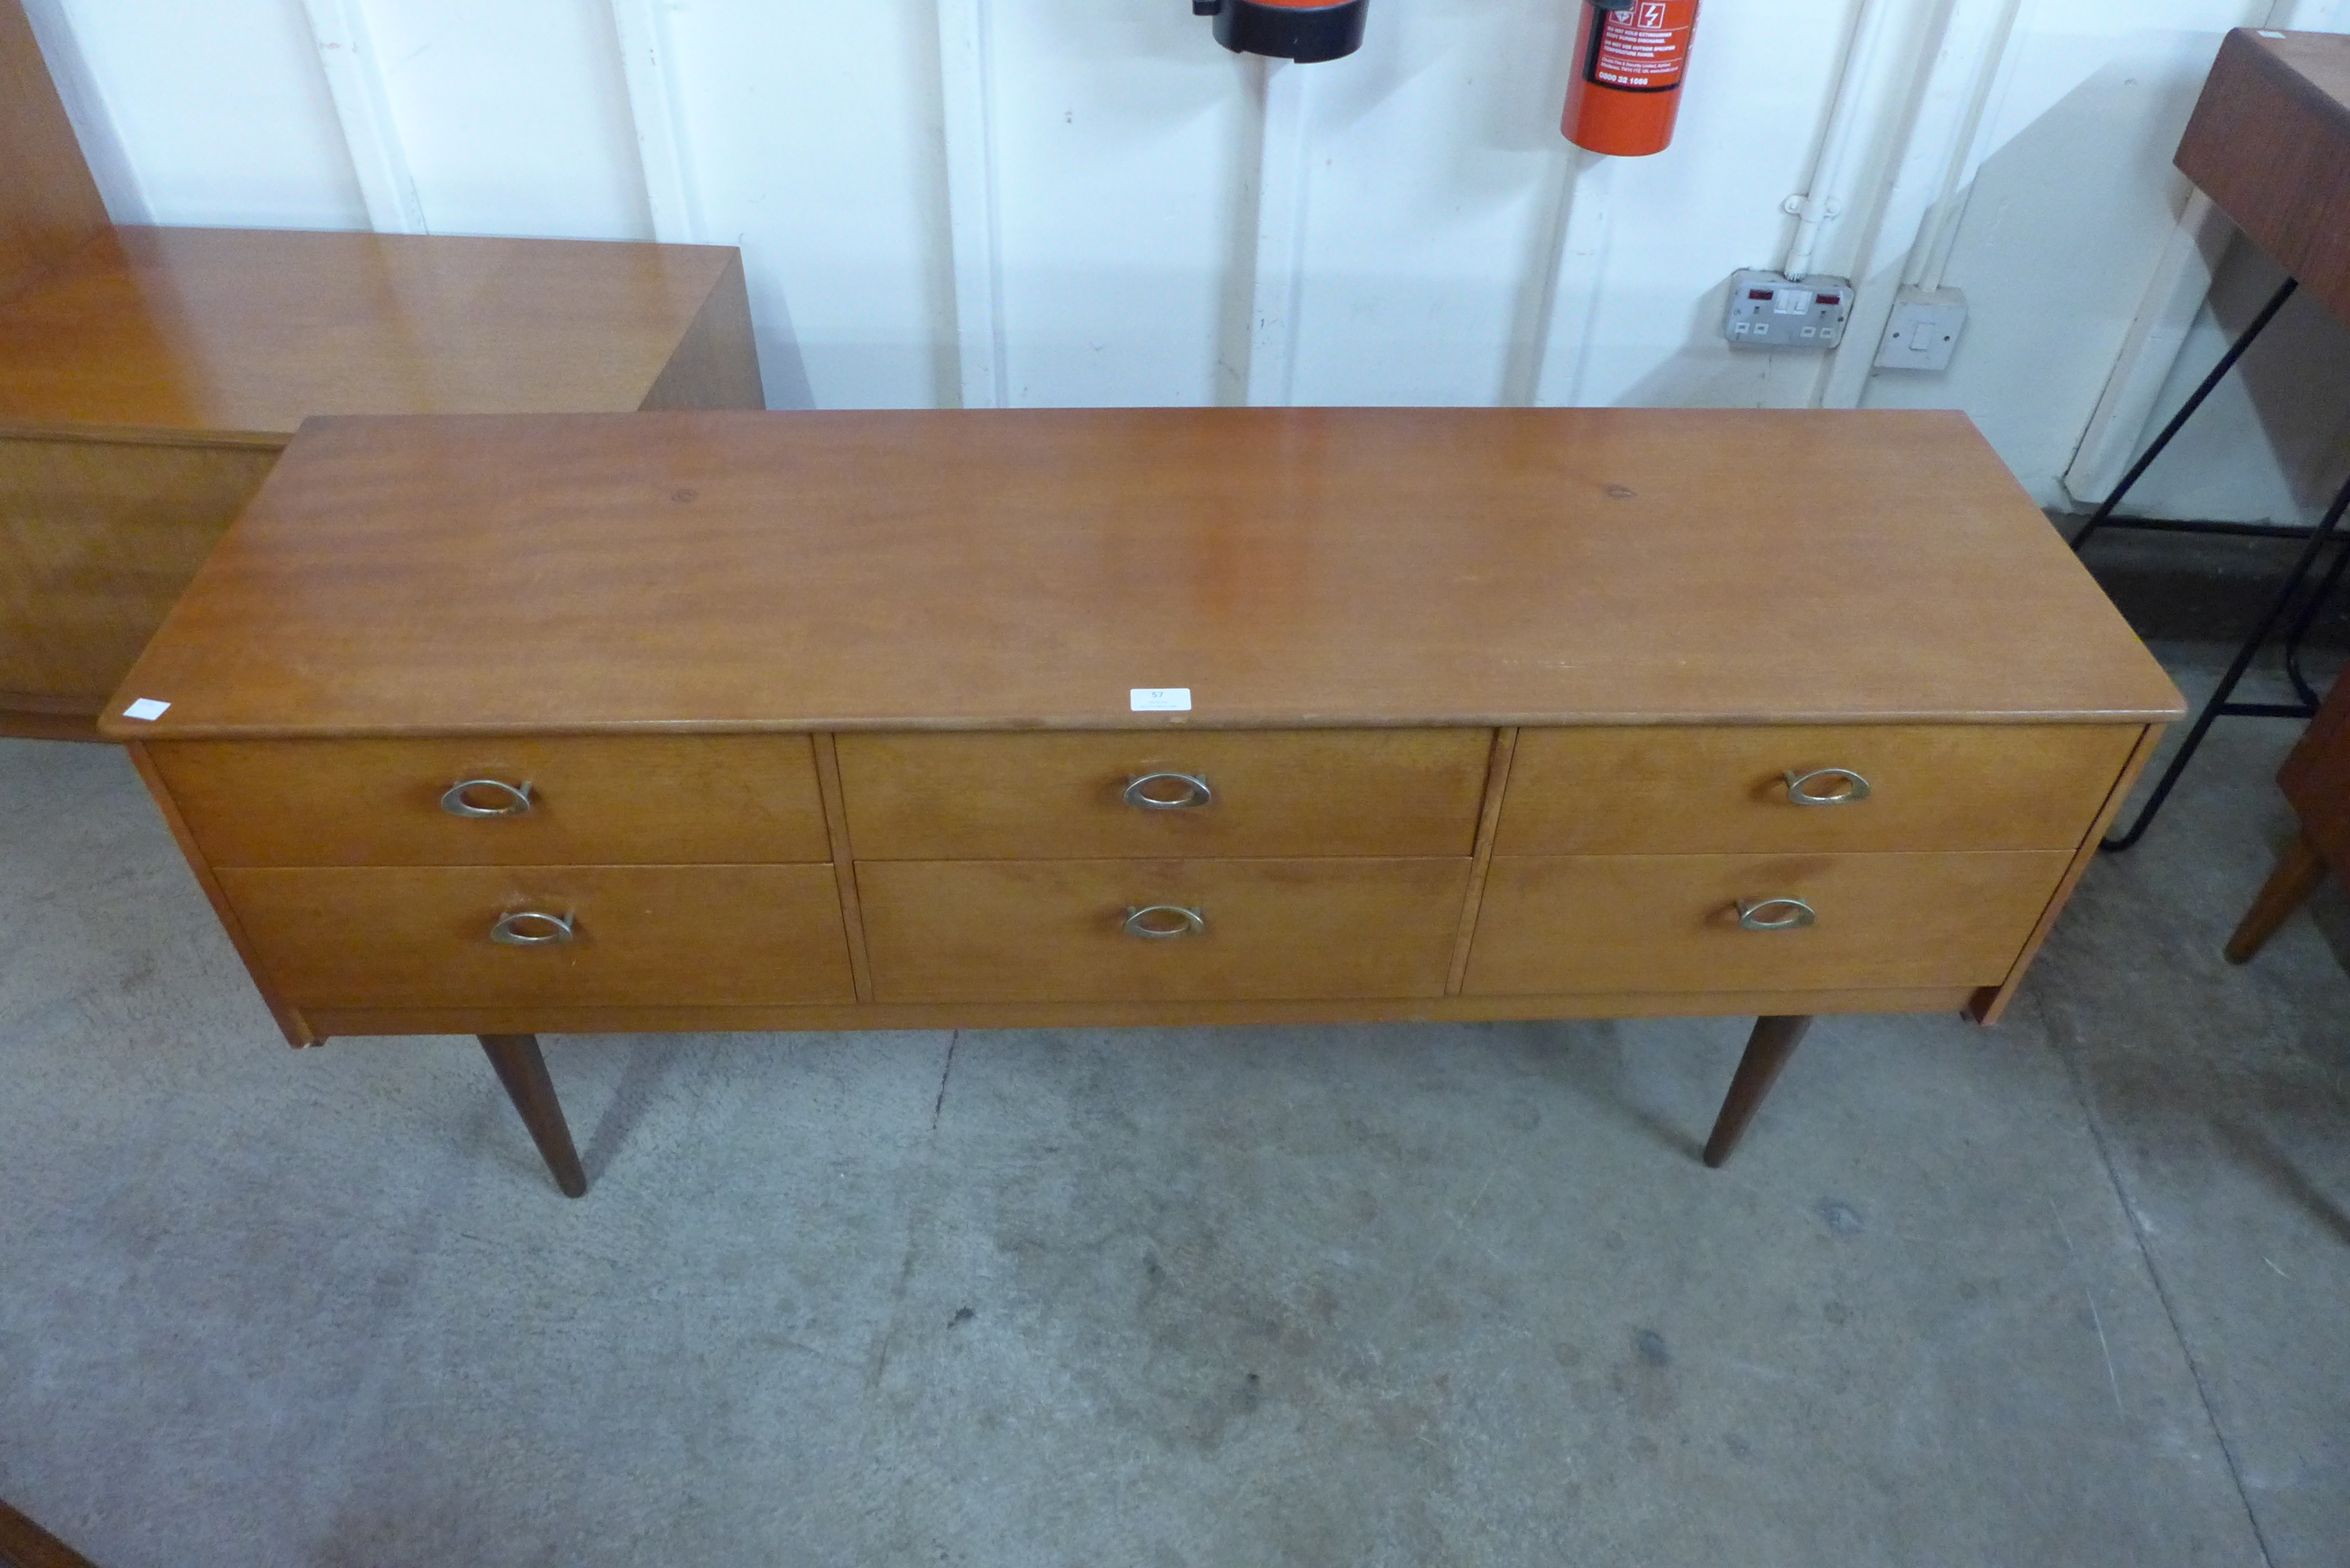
(1086, 201)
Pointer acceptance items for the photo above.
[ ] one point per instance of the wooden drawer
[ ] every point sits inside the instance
(1674, 790)
(595, 800)
(1670, 922)
(1293, 792)
(419, 937)
(1054, 930)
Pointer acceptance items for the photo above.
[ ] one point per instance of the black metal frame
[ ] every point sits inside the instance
(2328, 533)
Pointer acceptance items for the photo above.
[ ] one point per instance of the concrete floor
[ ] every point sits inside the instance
(2070, 1292)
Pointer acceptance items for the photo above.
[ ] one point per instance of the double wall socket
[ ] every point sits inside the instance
(1772, 310)
(1924, 329)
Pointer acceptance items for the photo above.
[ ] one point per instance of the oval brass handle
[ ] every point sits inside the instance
(1164, 922)
(1152, 792)
(1753, 916)
(1799, 787)
(550, 928)
(453, 801)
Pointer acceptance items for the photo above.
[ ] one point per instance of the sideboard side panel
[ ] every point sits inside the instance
(296, 1029)
(716, 364)
(1989, 1003)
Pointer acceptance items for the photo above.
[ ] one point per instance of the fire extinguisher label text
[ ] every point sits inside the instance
(1640, 50)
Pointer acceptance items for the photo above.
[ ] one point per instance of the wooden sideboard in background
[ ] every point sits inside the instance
(150, 377)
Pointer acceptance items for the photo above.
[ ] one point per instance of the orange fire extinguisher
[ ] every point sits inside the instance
(1626, 89)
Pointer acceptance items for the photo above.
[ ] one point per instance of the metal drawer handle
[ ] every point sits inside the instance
(1753, 914)
(1164, 922)
(453, 801)
(1855, 787)
(509, 928)
(1169, 792)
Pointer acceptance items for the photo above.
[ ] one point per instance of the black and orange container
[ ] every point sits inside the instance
(1626, 89)
(1302, 30)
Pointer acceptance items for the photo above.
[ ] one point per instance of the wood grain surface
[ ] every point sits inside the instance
(1031, 930)
(2270, 143)
(595, 800)
(558, 1018)
(1670, 922)
(49, 206)
(716, 363)
(290, 1022)
(1062, 797)
(411, 937)
(23, 1543)
(1674, 791)
(2316, 778)
(239, 330)
(1990, 1002)
(1026, 569)
(98, 539)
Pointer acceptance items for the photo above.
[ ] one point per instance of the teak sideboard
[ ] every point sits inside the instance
(756, 722)
(151, 378)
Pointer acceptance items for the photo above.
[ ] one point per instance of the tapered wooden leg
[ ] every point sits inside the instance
(24, 1545)
(524, 1072)
(1767, 1049)
(2298, 872)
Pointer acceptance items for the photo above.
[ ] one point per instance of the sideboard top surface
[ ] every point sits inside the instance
(1018, 569)
(251, 330)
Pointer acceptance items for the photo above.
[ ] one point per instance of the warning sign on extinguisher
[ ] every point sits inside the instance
(1644, 47)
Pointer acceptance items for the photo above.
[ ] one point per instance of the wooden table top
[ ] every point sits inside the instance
(251, 330)
(1015, 569)
(2270, 145)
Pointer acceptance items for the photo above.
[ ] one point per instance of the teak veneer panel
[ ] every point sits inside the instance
(1035, 930)
(1017, 569)
(1123, 1014)
(258, 329)
(148, 379)
(1061, 797)
(2270, 143)
(1670, 922)
(49, 204)
(2315, 779)
(595, 799)
(419, 937)
(98, 540)
(1590, 791)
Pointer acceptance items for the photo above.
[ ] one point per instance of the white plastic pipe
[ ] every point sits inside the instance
(648, 65)
(1280, 256)
(1824, 200)
(1931, 255)
(967, 120)
(355, 80)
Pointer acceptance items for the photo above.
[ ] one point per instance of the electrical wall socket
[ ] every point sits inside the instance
(1923, 330)
(1772, 310)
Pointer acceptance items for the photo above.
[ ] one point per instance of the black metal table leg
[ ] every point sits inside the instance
(2221, 704)
(2218, 706)
(2302, 623)
(2187, 410)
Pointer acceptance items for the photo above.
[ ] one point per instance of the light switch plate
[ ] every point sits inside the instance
(1923, 331)
(1771, 310)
